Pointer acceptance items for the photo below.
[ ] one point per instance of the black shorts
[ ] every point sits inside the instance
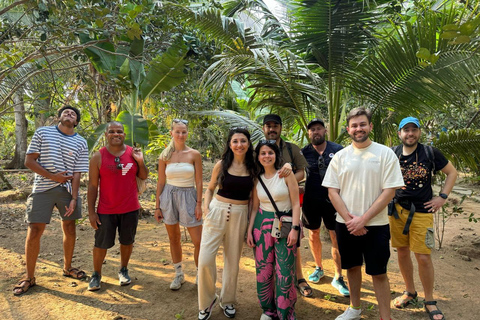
(374, 247)
(314, 210)
(126, 223)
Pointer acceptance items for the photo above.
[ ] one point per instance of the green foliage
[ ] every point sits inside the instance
(462, 148)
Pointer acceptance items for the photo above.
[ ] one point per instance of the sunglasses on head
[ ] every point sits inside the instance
(265, 141)
(185, 122)
(117, 161)
(238, 128)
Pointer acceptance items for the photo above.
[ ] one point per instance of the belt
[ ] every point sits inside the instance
(392, 211)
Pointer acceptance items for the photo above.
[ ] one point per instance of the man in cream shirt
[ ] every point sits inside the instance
(361, 181)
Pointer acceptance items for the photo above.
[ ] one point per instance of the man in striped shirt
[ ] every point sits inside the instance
(58, 156)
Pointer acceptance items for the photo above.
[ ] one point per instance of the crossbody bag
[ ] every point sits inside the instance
(283, 220)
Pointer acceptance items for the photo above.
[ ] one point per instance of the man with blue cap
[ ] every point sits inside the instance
(411, 213)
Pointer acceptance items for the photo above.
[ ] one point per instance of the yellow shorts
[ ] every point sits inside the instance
(420, 238)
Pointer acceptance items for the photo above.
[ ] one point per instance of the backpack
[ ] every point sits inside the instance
(289, 148)
(428, 150)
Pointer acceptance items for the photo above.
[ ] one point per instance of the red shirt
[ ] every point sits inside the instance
(118, 186)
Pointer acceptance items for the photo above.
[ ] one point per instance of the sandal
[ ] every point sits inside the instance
(24, 284)
(74, 273)
(403, 300)
(433, 313)
(305, 291)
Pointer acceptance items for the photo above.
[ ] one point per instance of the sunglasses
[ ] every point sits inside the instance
(238, 128)
(185, 122)
(321, 163)
(117, 161)
(265, 141)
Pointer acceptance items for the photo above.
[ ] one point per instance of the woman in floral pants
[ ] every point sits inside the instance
(276, 292)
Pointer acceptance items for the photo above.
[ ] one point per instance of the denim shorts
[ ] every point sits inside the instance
(178, 206)
(40, 205)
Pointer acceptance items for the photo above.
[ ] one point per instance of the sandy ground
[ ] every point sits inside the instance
(149, 297)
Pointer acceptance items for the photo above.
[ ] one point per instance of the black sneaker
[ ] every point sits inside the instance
(95, 282)
(207, 313)
(228, 310)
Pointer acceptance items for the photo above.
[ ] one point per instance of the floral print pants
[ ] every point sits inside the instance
(275, 265)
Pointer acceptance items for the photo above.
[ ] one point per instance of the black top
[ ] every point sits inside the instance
(317, 167)
(417, 174)
(236, 187)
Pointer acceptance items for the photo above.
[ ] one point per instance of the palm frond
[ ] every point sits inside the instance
(234, 119)
(461, 147)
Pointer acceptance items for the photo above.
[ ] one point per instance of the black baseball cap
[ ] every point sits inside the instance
(272, 117)
(314, 121)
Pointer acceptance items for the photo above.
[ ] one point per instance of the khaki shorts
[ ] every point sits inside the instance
(420, 238)
(40, 205)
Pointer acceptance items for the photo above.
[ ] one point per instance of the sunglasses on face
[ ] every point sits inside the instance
(185, 122)
(117, 161)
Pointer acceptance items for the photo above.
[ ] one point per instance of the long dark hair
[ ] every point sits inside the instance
(227, 156)
(272, 145)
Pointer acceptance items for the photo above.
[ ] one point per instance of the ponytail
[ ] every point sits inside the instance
(168, 151)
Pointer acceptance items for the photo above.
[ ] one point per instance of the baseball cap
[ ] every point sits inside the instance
(314, 121)
(272, 117)
(408, 120)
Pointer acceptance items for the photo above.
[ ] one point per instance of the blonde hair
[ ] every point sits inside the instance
(168, 151)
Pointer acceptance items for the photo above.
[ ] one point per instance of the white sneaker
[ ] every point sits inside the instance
(265, 317)
(177, 281)
(350, 314)
(228, 310)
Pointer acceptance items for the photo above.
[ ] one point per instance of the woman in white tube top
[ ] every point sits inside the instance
(179, 195)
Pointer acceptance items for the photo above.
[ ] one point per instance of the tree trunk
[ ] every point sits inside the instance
(21, 123)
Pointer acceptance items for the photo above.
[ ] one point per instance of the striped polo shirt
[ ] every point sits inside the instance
(58, 152)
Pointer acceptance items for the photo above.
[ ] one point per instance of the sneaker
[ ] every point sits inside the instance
(123, 277)
(265, 317)
(316, 275)
(177, 281)
(205, 314)
(228, 310)
(350, 314)
(340, 285)
(95, 281)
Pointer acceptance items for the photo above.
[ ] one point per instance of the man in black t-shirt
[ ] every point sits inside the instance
(317, 205)
(411, 221)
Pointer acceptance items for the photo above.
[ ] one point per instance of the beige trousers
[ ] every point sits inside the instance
(225, 223)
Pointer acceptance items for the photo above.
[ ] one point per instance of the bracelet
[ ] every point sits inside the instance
(74, 199)
(157, 208)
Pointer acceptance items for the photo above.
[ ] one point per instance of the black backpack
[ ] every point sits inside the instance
(428, 150)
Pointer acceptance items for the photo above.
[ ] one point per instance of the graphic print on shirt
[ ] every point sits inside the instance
(125, 168)
(415, 175)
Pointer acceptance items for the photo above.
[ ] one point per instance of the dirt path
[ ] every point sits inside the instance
(149, 296)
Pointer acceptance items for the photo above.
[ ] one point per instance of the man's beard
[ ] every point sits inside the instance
(360, 140)
(318, 140)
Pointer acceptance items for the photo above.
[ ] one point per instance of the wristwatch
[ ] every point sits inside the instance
(294, 227)
(443, 195)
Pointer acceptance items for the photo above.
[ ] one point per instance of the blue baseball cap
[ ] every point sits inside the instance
(408, 120)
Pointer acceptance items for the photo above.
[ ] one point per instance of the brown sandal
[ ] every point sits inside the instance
(74, 273)
(24, 284)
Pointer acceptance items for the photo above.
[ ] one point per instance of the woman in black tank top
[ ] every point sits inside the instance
(225, 222)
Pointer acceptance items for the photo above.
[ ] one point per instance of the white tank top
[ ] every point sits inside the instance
(278, 190)
(180, 174)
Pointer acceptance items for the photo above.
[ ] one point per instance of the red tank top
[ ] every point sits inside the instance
(118, 186)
